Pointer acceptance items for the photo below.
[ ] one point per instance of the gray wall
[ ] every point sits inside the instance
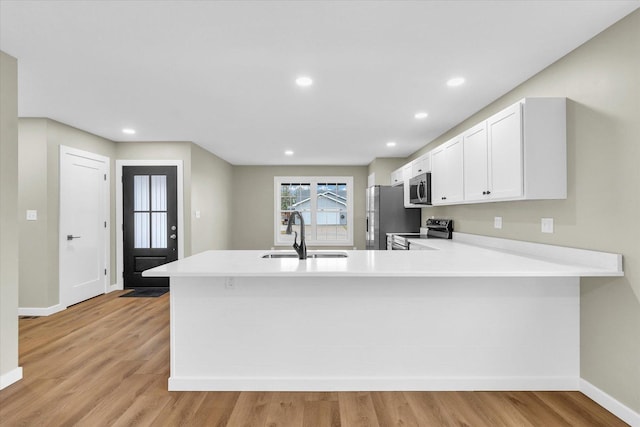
(211, 195)
(383, 166)
(8, 214)
(206, 187)
(253, 208)
(601, 79)
(38, 165)
(39, 160)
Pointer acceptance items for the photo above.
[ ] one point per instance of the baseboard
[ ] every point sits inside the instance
(612, 405)
(114, 287)
(40, 311)
(10, 377)
(177, 383)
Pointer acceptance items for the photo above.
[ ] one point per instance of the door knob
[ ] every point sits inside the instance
(173, 236)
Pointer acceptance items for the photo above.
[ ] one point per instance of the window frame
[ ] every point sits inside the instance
(285, 240)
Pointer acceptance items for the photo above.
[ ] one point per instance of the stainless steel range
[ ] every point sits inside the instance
(436, 229)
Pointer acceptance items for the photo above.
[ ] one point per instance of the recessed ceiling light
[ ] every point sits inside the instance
(129, 131)
(288, 153)
(304, 81)
(391, 144)
(456, 81)
(421, 115)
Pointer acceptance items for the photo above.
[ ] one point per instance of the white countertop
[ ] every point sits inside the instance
(449, 258)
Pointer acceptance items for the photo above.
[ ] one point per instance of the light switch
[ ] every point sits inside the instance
(198, 214)
(497, 222)
(32, 215)
(546, 225)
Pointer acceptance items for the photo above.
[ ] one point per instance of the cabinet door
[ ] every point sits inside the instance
(455, 161)
(421, 165)
(446, 173)
(396, 177)
(505, 153)
(438, 176)
(476, 163)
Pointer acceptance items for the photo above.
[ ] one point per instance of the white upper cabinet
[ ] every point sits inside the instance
(493, 157)
(446, 173)
(505, 173)
(544, 157)
(397, 178)
(421, 165)
(518, 154)
(476, 163)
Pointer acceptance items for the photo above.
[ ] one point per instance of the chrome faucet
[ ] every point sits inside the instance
(301, 248)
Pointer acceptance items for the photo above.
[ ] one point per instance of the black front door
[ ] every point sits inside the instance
(150, 222)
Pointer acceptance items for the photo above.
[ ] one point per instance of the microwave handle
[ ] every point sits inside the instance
(421, 184)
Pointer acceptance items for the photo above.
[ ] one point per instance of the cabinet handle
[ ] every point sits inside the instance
(419, 170)
(444, 198)
(488, 192)
(484, 193)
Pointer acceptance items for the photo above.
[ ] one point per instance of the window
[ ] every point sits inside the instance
(150, 211)
(326, 204)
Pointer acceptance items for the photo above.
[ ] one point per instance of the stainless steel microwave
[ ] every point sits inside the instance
(420, 189)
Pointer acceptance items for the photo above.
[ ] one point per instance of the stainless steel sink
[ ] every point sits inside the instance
(310, 254)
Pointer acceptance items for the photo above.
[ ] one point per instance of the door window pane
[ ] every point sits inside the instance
(141, 229)
(140, 193)
(159, 230)
(158, 193)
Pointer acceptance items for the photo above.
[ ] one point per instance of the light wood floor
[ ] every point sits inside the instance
(106, 362)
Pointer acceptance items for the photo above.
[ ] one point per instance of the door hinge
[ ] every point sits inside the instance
(105, 271)
(105, 176)
(105, 224)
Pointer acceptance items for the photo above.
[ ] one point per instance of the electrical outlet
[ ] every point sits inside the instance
(497, 222)
(546, 225)
(197, 214)
(32, 215)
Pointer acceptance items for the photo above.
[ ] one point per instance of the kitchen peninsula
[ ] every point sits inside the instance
(473, 313)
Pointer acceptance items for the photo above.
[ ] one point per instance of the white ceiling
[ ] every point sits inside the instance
(221, 74)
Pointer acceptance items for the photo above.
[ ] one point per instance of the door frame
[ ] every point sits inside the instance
(119, 285)
(63, 149)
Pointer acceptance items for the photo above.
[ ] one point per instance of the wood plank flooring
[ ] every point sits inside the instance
(105, 362)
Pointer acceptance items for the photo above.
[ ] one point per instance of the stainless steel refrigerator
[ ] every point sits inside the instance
(386, 214)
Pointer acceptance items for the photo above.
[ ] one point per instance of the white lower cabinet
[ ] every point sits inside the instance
(447, 186)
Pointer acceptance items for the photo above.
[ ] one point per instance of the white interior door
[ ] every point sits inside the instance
(84, 213)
